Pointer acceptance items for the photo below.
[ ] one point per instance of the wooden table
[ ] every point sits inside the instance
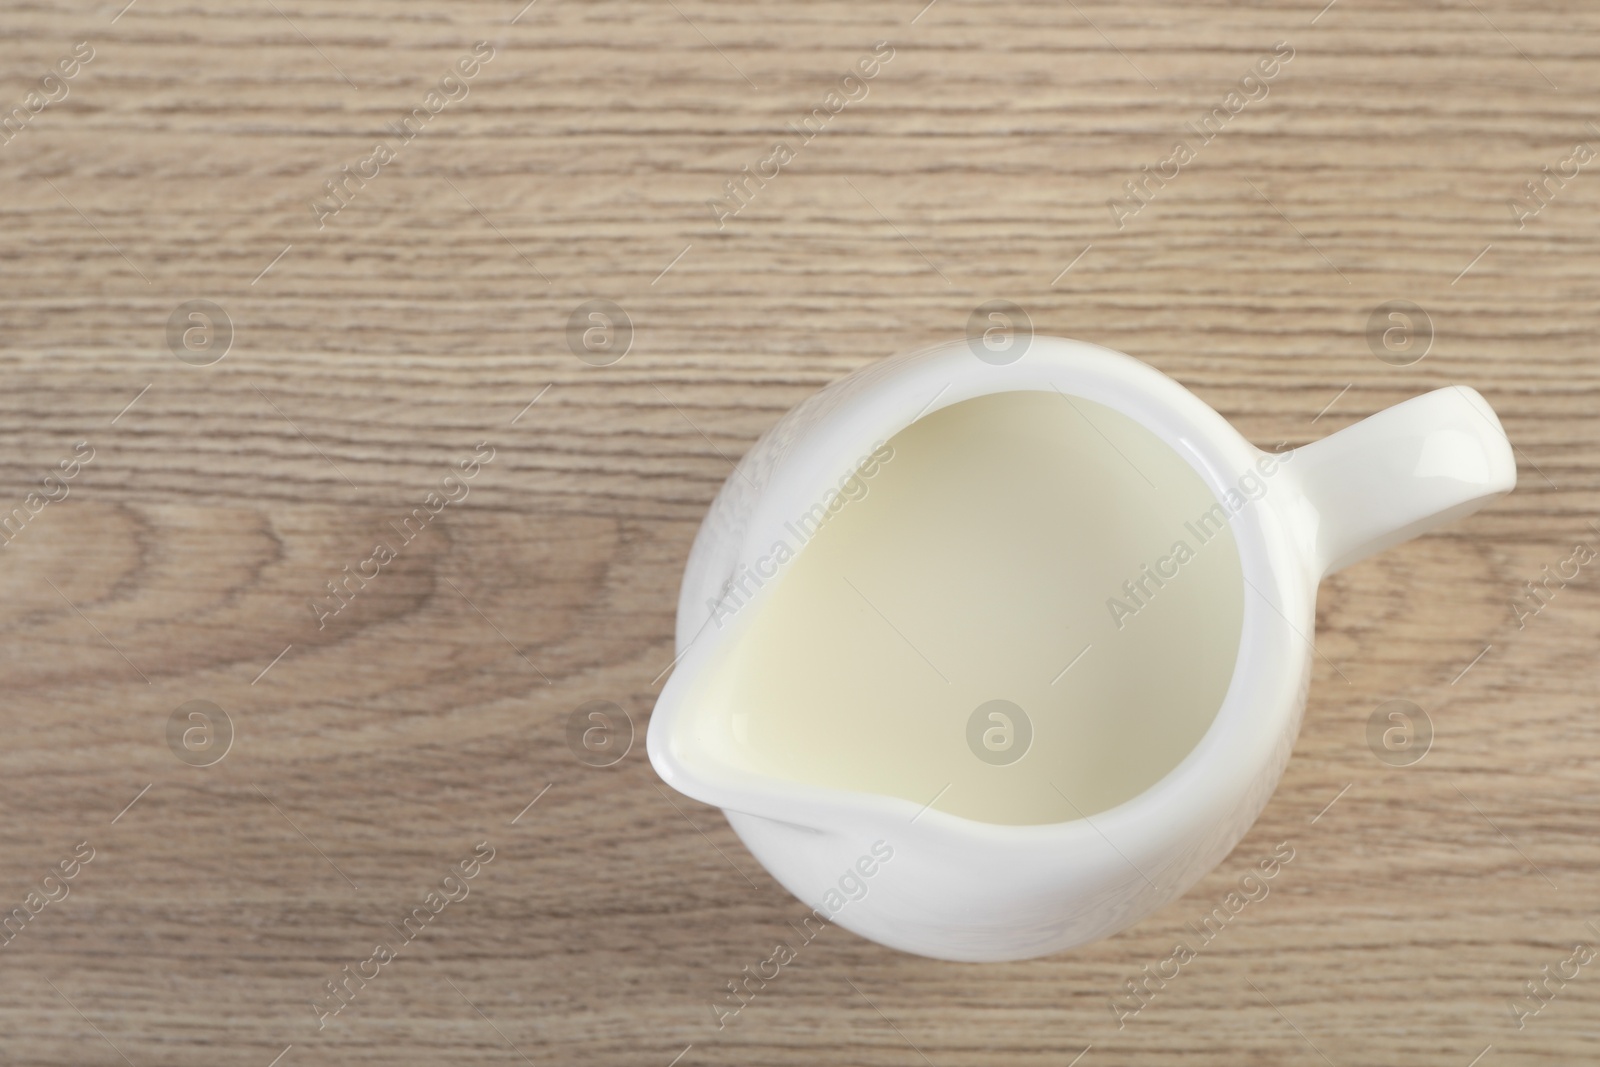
(368, 346)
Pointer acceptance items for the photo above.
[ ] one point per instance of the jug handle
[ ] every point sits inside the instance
(1399, 473)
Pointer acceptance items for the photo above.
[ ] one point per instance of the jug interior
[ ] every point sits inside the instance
(1024, 609)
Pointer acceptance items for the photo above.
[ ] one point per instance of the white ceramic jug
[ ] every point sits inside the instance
(930, 882)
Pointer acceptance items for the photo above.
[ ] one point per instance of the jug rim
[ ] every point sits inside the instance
(1247, 740)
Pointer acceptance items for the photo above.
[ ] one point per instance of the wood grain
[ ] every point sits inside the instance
(380, 349)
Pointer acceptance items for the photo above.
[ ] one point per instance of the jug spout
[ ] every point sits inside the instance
(1400, 473)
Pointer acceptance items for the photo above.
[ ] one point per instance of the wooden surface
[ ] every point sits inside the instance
(427, 313)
